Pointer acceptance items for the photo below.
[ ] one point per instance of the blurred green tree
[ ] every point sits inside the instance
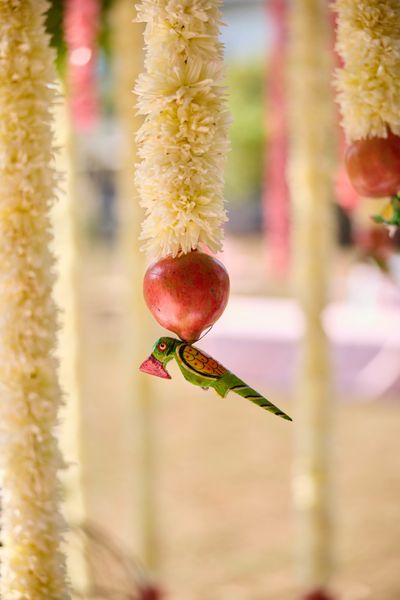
(244, 170)
(54, 20)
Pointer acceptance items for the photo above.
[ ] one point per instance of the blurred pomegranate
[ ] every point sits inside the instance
(318, 595)
(149, 592)
(187, 294)
(373, 166)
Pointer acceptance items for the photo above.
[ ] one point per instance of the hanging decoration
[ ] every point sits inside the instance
(200, 369)
(81, 26)
(183, 141)
(276, 193)
(182, 145)
(368, 83)
(32, 565)
(311, 166)
(127, 42)
(187, 294)
(346, 196)
(66, 246)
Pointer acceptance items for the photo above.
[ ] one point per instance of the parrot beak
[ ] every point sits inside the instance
(152, 366)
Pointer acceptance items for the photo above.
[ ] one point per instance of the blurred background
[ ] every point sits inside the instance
(195, 489)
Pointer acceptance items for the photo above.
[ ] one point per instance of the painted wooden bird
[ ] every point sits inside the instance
(201, 369)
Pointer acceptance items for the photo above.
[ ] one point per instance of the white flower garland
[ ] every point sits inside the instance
(183, 141)
(368, 40)
(32, 566)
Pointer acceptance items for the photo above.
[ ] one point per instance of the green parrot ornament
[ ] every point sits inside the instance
(199, 368)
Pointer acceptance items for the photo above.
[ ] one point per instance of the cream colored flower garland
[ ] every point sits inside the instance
(183, 141)
(311, 167)
(32, 566)
(368, 40)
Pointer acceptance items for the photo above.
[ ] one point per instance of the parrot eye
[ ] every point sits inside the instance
(162, 346)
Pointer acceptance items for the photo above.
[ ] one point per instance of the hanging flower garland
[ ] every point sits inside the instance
(311, 165)
(368, 40)
(183, 141)
(182, 145)
(32, 565)
(276, 193)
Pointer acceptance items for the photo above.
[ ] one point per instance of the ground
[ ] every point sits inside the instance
(226, 528)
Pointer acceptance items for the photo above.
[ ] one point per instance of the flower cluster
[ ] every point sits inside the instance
(183, 141)
(368, 40)
(32, 566)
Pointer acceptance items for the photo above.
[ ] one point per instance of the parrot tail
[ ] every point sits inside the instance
(241, 388)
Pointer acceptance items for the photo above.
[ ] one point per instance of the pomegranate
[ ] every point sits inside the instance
(373, 166)
(318, 595)
(149, 592)
(187, 294)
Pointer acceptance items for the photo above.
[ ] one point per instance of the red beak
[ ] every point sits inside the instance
(152, 366)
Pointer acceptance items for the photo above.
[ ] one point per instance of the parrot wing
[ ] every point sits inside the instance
(200, 363)
(201, 369)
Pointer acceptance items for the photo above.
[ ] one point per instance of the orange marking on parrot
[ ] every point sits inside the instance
(200, 362)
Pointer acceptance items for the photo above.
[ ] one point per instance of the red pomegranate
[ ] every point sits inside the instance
(149, 592)
(318, 595)
(187, 294)
(373, 166)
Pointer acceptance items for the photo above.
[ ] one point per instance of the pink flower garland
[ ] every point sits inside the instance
(276, 194)
(81, 23)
